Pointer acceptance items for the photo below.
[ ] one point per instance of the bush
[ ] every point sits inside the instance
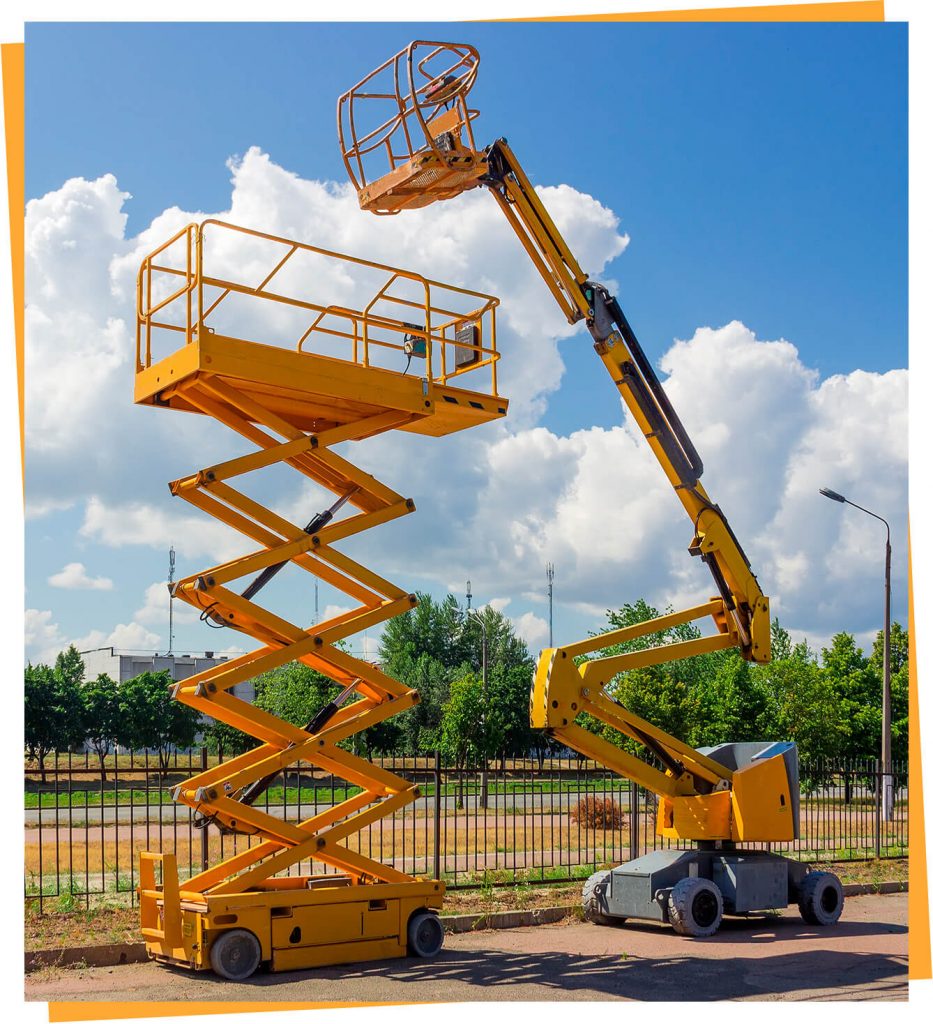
(597, 812)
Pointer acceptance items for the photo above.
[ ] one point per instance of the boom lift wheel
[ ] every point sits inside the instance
(695, 907)
(235, 954)
(593, 900)
(821, 898)
(425, 934)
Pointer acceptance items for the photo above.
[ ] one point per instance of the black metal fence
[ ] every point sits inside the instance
(511, 821)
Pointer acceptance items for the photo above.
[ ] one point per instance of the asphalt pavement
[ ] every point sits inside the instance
(863, 957)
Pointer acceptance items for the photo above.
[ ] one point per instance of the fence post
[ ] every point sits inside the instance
(634, 846)
(879, 785)
(437, 814)
(204, 831)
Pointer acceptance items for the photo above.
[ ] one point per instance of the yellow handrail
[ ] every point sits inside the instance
(165, 314)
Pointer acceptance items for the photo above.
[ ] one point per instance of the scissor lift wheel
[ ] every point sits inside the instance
(425, 935)
(235, 954)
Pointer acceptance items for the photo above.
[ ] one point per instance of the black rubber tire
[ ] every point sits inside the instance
(695, 907)
(235, 954)
(820, 898)
(425, 934)
(592, 901)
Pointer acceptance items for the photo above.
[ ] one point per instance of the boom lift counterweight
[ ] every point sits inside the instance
(406, 136)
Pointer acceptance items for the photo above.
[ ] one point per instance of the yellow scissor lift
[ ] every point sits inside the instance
(243, 327)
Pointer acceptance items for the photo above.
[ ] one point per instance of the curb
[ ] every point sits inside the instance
(457, 923)
(135, 952)
(89, 956)
(873, 889)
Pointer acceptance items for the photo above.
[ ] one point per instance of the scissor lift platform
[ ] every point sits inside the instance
(404, 345)
(313, 392)
(299, 349)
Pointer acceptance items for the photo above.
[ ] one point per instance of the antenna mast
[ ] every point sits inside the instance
(549, 569)
(171, 600)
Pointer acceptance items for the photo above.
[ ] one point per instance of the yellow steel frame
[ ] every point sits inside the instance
(565, 684)
(363, 905)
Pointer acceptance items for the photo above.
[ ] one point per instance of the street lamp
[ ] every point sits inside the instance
(887, 802)
(475, 614)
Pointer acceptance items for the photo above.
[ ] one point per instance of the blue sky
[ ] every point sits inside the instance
(760, 172)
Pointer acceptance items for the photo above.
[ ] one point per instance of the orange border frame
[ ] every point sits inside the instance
(13, 58)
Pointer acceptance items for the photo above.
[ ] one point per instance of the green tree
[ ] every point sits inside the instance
(465, 737)
(224, 740)
(509, 690)
(100, 707)
(53, 719)
(857, 689)
(41, 729)
(419, 727)
(294, 692)
(297, 692)
(438, 642)
(69, 666)
(806, 709)
(151, 718)
(733, 705)
(900, 680)
(433, 629)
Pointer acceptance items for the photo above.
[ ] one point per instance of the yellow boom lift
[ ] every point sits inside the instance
(271, 338)
(406, 135)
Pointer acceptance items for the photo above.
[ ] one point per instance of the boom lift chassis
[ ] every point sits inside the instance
(406, 136)
(343, 382)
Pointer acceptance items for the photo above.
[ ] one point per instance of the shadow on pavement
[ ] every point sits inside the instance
(739, 931)
(678, 978)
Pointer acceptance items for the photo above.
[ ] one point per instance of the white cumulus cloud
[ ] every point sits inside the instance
(495, 503)
(74, 577)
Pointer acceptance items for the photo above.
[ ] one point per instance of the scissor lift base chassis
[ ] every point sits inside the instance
(298, 927)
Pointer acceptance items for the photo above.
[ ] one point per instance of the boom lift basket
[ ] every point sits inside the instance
(405, 130)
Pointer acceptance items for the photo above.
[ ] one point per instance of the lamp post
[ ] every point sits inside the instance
(887, 799)
(475, 614)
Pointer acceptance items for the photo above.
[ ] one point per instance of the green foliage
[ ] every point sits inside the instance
(294, 692)
(463, 738)
(69, 666)
(52, 712)
(900, 645)
(804, 702)
(437, 649)
(100, 716)
(225, 741)
(731, 706)
(151, 718)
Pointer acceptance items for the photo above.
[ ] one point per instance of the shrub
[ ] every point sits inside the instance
(597, 812)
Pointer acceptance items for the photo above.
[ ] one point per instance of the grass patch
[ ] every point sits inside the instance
(94, 795)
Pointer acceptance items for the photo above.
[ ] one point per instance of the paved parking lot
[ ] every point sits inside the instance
(772, 958)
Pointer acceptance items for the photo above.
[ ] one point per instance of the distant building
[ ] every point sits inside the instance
(124, 665)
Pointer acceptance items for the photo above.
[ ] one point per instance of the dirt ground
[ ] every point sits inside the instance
(110, 924)
(764, 958)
